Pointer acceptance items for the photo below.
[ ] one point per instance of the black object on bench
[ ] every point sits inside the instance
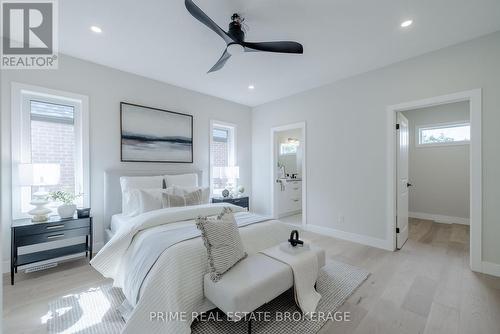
(294, 239)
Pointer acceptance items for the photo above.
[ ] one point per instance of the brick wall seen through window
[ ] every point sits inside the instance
(53, 141)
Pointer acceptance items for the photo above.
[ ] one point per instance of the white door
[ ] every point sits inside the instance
(402, 180)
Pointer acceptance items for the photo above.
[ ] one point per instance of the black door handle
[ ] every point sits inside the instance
(409, 185)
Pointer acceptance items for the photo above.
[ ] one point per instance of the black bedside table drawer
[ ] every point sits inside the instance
(52, 227)
(51, 236)
(240, 201)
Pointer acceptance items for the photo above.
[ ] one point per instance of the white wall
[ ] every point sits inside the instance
(346, 123)
(439, 174)
(106, 87)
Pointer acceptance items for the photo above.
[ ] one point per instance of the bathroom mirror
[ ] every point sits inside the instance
(290, 157)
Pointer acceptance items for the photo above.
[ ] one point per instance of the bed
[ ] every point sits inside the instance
(158, 260)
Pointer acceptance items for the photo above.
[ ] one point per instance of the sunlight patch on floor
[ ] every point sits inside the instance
(92, 304)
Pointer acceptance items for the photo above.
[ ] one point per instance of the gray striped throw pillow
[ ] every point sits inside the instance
(223, 242)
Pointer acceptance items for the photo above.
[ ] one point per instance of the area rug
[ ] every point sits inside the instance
(94, 311)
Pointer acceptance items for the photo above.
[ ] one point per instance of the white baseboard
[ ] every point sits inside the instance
(288, 214)
(6, 266)
(97, 247)
(357, 238)
(490, 268)
(439, 218)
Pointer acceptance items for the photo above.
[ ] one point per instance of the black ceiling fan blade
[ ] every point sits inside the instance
(203, 18)
(221, 62)
(282, 47)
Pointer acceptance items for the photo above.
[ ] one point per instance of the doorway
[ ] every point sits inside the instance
(288, 173)
(398, 160)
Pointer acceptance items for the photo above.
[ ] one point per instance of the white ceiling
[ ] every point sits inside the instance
(161, 40)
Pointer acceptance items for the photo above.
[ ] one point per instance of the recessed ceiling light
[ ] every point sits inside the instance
(251, 87)
(96, 29)
(406, 23)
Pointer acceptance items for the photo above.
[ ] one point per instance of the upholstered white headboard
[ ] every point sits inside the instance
(112, 188)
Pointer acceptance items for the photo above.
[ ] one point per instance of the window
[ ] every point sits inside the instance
(289, 147)
(223, 170)
(52, 130)
(444, 134)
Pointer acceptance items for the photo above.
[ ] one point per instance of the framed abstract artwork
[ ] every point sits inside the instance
(155, 135)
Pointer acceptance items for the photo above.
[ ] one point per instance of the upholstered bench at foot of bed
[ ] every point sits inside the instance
(251, 283)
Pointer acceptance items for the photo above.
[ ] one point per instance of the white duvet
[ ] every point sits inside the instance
(175, 282)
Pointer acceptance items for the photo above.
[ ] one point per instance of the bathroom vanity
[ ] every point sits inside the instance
(289, 197)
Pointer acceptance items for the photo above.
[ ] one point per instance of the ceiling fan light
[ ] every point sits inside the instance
(235, 49)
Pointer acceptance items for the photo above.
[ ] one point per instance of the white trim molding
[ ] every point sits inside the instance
(439, 218)
(490, 268)
(21, 142)
(475, 104)
(353, 237)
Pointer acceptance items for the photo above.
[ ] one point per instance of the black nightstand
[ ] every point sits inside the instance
(239, 201)
(24, 232)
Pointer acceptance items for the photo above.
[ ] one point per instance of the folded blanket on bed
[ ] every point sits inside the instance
(304, 266)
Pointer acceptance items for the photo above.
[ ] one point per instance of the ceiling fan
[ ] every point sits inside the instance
(235, 37)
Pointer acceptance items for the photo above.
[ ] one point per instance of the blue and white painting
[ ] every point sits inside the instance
(155, 135)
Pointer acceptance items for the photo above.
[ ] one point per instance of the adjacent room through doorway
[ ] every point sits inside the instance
(438, 173)
(288, 170)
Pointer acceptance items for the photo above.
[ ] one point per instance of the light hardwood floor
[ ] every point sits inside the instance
(424, 288)
(294, 219)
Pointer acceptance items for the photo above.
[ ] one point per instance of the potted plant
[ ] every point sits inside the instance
(241, 190)
(68, 207)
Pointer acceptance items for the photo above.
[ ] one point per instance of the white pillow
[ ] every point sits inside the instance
(188, 199)
(182, 180)
(205, 192)
(130, 201)
(151, 199)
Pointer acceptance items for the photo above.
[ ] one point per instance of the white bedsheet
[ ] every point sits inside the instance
(175, 282)
(118, 221)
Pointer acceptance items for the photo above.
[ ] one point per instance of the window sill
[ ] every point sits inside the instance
(457, 143)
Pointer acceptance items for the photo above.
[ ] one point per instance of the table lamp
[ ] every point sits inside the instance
(40, 175)
(230, 173)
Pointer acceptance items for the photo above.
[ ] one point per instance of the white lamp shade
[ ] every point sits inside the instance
(39, 174)
(217, 172)
(233, 172)
(228, 172)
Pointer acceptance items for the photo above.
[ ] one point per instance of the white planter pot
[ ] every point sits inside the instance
(66, 210)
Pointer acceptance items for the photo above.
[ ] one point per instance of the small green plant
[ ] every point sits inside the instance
(64, 197)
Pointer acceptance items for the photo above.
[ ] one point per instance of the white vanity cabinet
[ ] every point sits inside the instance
(290, 197)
